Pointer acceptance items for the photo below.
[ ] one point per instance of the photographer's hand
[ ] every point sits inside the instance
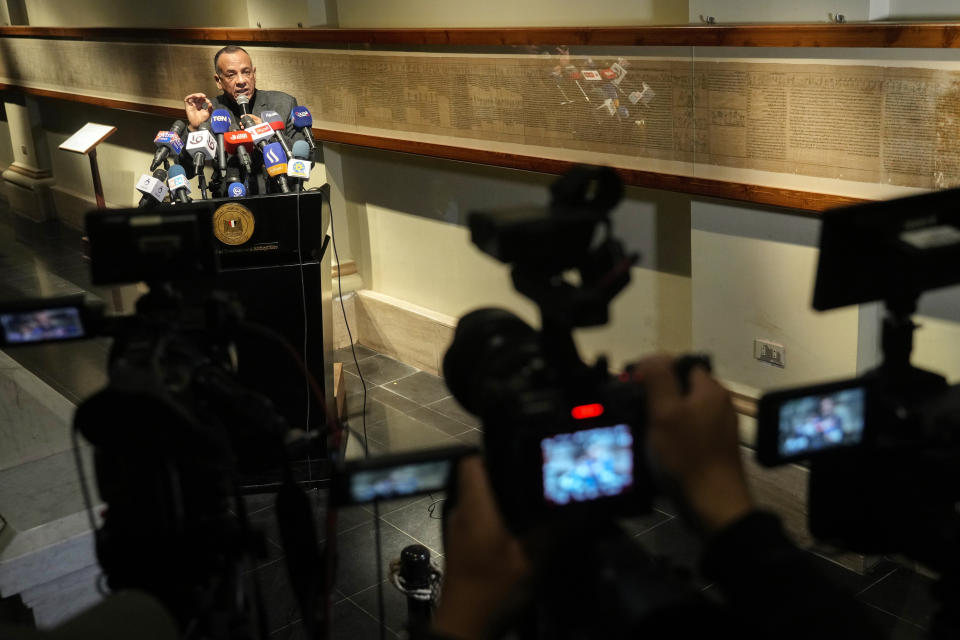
(693, 440)
(484, 562)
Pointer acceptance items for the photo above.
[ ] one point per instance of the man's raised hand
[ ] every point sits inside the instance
(198, 108)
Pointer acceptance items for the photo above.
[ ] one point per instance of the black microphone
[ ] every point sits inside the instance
(168, 141)
(178, 184)
(244, 101)
(234, 175)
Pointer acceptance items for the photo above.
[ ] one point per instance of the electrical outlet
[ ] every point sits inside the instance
(769, 352)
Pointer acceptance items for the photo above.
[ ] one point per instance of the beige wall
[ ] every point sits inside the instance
(725, 11)
(937, 341)
(913, 10)
(289, 13)
(408, 226)
(508, 13)
(114, 13)
(6, 147)
(937, 346)
(819, 10)
(179, 13)
(753, 275)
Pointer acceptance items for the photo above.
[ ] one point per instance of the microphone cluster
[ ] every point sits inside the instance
(217, 142)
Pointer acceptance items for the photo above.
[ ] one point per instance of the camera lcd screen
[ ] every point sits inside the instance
(41, 325)
(821, 421)
(400, 481)
(586, 465)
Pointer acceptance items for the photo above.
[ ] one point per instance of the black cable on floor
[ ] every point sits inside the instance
(366, 439)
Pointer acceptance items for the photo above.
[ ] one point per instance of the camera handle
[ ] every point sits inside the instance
(897, 344)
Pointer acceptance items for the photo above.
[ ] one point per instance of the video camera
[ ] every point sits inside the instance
(176, 431)
(884, 448)
(563, 439)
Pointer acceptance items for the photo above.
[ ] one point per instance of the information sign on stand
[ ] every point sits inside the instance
(85, 142)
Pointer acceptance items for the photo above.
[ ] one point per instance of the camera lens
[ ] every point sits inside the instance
(489, 346)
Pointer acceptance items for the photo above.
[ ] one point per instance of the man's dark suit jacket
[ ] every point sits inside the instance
(262, 101)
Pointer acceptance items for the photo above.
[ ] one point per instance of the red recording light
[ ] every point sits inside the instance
(587, 411)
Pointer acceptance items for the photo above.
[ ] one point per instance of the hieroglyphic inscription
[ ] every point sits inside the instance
(877, 124)
(766, 115)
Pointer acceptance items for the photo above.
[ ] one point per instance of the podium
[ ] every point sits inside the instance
(281, 274)
(274, 255)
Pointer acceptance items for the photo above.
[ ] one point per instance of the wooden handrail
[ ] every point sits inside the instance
(801, 202)
(925, 35)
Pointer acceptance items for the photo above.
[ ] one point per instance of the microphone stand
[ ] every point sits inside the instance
(202, 182)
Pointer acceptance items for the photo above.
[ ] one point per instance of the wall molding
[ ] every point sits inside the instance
(935, 35)
(410, 333)
(29, 172)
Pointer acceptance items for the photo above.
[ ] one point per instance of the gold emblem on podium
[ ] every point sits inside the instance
(233, 223)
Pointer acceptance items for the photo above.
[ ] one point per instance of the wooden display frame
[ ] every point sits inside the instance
(868, 35)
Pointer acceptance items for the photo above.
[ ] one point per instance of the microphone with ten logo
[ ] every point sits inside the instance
(303, 121)
(179, 187)
(275, 161)
(220, 123)
(154, 188)
(299, 167)
(202, 146)
(167, 142)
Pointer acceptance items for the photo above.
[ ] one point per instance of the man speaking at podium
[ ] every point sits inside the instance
(236, 76)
